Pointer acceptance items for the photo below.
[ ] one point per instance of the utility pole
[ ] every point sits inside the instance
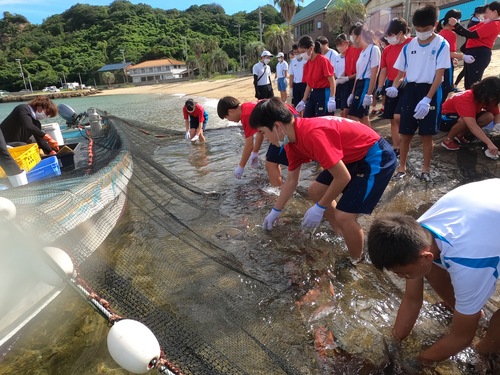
(185, 52)
(22, 73)
(124, 62)
(31, 87)
(65, 83)
(261, 26)
(239, 39)
(80, 80)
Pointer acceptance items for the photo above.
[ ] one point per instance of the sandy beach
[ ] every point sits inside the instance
(241, 87)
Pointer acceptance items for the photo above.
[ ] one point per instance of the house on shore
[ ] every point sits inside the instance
(117, 69)
(158, 70)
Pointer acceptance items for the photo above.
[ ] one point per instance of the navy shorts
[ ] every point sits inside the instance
(194, 122)
(316, 105)
(356, 109)
(412, 95)
(369, 178)
(447, 84)
(298, 92)
(341, 94)
(391, 104)
(282, 84)
(448, 120)
(274, 156)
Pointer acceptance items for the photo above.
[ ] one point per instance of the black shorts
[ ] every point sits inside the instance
(341, 94)
(369, 178)
(391, 104)
(194, 122)
(275, 156)
(298, 92)
(448, 120)
(265, 91)
(447, 84)
(356, 109)
(316, 105)
(412, 95)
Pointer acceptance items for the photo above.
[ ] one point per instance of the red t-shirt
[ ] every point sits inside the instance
(464, 104)
(315, 72)
(328, 140)
(487, 32)
(389, 57)
(198, 112)
(351, 57)
(246, 111)
(451, 38)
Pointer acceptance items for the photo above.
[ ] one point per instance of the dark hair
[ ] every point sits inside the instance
(396, 26)
(190, 105)
(307, 42)
(494, 5)
(341, 38)
(225, 104)
(455, 13)
(267, 112)
(384, 40)
(487, 91)
(295, 46)
(367, 35)
(396, 240)
(479, 10)
(408, 30)
(425, 16)
(323, 40)
(357, 24)
(48, 106)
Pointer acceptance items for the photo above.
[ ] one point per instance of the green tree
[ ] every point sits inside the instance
(207, 63)
(220, 61)
(253, 51)
(276, 37)
(288, 9)
(191, 64)
(345, 13)
(108, 78)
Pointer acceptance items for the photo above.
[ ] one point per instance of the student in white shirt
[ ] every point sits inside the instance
(326, 51)
(281, 75)
(295, 73)
(423, 60)
(262, 77)
(342, 92)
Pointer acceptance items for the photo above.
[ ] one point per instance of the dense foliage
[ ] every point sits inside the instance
(84, 38)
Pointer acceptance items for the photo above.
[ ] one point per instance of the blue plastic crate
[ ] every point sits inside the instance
(45, 169)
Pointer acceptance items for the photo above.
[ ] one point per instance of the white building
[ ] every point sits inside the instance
(158, 70)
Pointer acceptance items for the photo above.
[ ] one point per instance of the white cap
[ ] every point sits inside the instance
(266, 53)
(280, 54)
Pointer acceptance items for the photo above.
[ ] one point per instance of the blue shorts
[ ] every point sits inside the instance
(369, 178)
(274, 156)
(412, 95)
(448, 120)
(298, 92)
(194, 122)
(282, 84)
(356, 109)
(341, 95)
(316, 105)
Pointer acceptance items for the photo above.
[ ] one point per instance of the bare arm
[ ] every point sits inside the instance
(288, 188)
(290, 80)
(409, 309)
(455, 55)
(437, 82)
(382, 77)
(306, 93)
(373, 80)
(333, 86)
(341, 178)
(354, 87)
(478, 132)
(187, 124)
(259, 138)
(247, 150)
(398, 79)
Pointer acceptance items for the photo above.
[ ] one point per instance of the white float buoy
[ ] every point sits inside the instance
(46, 273)
(133, 346)
(7, 209)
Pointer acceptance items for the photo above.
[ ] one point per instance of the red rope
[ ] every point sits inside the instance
(163, 361)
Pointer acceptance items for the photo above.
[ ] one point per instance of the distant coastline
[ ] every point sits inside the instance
(54, 95)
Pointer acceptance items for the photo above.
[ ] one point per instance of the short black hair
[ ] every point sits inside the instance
(295, 46)
(479, 10)
(396, 26)
(425, 16)
(323, 40)
(354, 26)
(307, 42)
(396, 240)
(455, 13)
(487, 91)
(190, 104)
(341, 38)
(225, 104)
(494, 5)
(268, 111)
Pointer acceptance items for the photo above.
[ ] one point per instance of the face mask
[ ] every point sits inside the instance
(283, 142)
(41, 115)
(267, 61)
(305, 56)
(351, 38)
(425, 35)
(280, 60)
(481, 18)
(393, 40)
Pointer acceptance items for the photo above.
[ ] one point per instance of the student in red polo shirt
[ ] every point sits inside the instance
(351, 57)
(319, 97)
(471, 110)
(357, 162)
(481, 39)
(397, 39)
(233, 110)
(196, 119)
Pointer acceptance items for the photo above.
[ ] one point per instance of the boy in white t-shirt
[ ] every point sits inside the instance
(281, 76)
(455, 245)
(423, 60)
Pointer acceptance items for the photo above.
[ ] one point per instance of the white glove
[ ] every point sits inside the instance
(254, 160)
(367, 100)
(274, 81)
(332, 105)
(238, 172)
(313, 216)
(271, 219)
(290, 92)
(301, 106)
(195, 138)
(342, 79)
(350, 99)
(422, 108)
(391, 92)
(469, 59)
(188, 135)
(496, 128)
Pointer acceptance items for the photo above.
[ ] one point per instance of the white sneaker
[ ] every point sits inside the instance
(195, 138)
(496, 128)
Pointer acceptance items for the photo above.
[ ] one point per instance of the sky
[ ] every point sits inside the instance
(37, 10)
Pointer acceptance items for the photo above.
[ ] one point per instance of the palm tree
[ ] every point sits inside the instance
(191, 64)
(276, 37)
(211, 43)
(253, 50)
(220, 60)
(207, 62)
(288, 9)
(345, 13)
(198, 47)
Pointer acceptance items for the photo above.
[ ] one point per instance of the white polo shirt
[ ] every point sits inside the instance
(280, 69)
(421, 62)
(261, 69)
(331, 55)
(339, 66)
(368, 59)
(464, 223)
(297, 69)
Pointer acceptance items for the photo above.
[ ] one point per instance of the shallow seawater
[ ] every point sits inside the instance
(330, 312)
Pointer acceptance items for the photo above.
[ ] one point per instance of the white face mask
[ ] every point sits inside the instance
(351, 38)
(267, 61)
(393, 40)
(425, 35)
(481, 18)
(41, 115)
(280, 60)
(305, 56)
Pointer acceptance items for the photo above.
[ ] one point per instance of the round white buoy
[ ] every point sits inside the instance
(133, 346)
(46, 273)
(7, 209)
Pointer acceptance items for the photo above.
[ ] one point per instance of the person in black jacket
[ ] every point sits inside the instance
(24, 122)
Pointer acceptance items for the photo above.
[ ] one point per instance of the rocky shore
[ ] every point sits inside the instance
(51, 95)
